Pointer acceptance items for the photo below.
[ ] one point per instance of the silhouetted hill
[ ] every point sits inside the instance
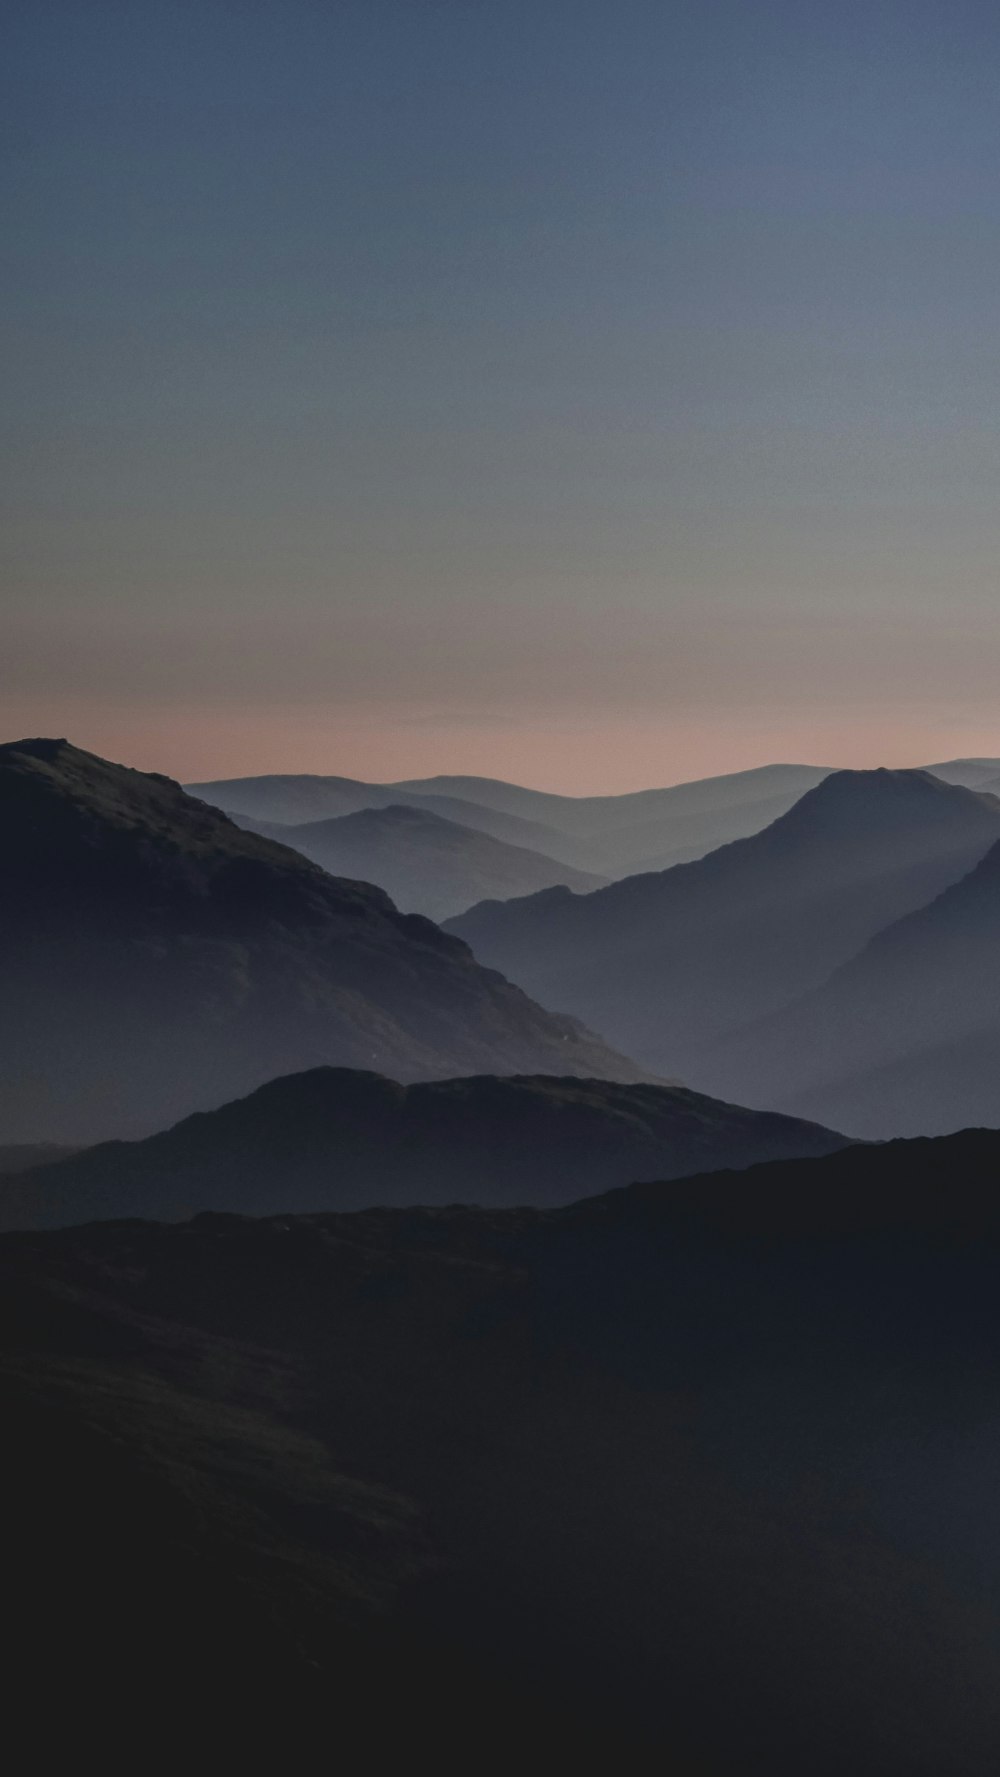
(157, 959)
(707, 1466)
(427, 864)
(905, 1038)
(668, 963)
(612, 835)
(334, 1139)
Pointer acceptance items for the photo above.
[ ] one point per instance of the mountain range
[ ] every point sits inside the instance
(425, 863)
(669, 963)
(335, 1139)
(703, 1470)
(608, 835)
(611, 836)
(157, 958)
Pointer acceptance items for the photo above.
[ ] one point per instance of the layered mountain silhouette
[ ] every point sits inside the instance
(904, 1038)
(668, 963)
(301, 800)
(975, 774)
(425, 863)
(610, 835)
(157, 958)
(705, 1469)
(335, 1139)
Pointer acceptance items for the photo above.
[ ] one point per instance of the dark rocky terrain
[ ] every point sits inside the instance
(335, 1139)
(706, 1468)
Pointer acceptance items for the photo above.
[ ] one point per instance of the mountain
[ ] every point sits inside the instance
(303, 800)
(668, 963)
(157, 959)
(335, 1139)
(905, 1037)
(975, 774)
(610, 835)
(428, 865)
(634, 809)
(703, 1470)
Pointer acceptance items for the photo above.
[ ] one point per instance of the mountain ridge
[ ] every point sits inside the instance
(905, 1036)
(667, 962)
(338, 1139)
(425, 862)
(159, 958)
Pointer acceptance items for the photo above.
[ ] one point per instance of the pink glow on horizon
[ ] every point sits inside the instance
(607, 753)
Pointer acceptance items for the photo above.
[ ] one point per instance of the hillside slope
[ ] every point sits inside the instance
(667, 963)
(157, 959)
(705, 1469)
(905, 1038)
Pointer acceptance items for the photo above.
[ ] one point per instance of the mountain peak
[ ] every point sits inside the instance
(859, 800)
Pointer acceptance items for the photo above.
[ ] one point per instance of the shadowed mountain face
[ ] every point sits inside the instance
(905, 1038)
(709, 1466)
(156, 959)
(426, 864)
(612, 835)
(333, 1139)
(666, 964)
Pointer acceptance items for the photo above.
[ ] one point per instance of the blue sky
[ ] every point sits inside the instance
(596, 394)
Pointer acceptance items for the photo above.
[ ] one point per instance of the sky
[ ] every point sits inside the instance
(590, 394)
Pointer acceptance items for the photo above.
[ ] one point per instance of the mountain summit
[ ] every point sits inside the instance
(158, 959)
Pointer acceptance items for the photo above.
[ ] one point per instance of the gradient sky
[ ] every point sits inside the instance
(593, 394)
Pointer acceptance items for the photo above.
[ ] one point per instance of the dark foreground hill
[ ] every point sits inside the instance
(334, 1139)
(426, 864)
(668, 963)
(707, 1468)
(905, 1038)
(156, 958)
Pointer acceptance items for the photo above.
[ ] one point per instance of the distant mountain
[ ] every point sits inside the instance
(302, 800)
(975, 774)
(334, 1139)
(703, 1470)
(903, 1039)
(427, 864)
(610, 835)
(668, 963)
(634, 809)
(157, 959)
